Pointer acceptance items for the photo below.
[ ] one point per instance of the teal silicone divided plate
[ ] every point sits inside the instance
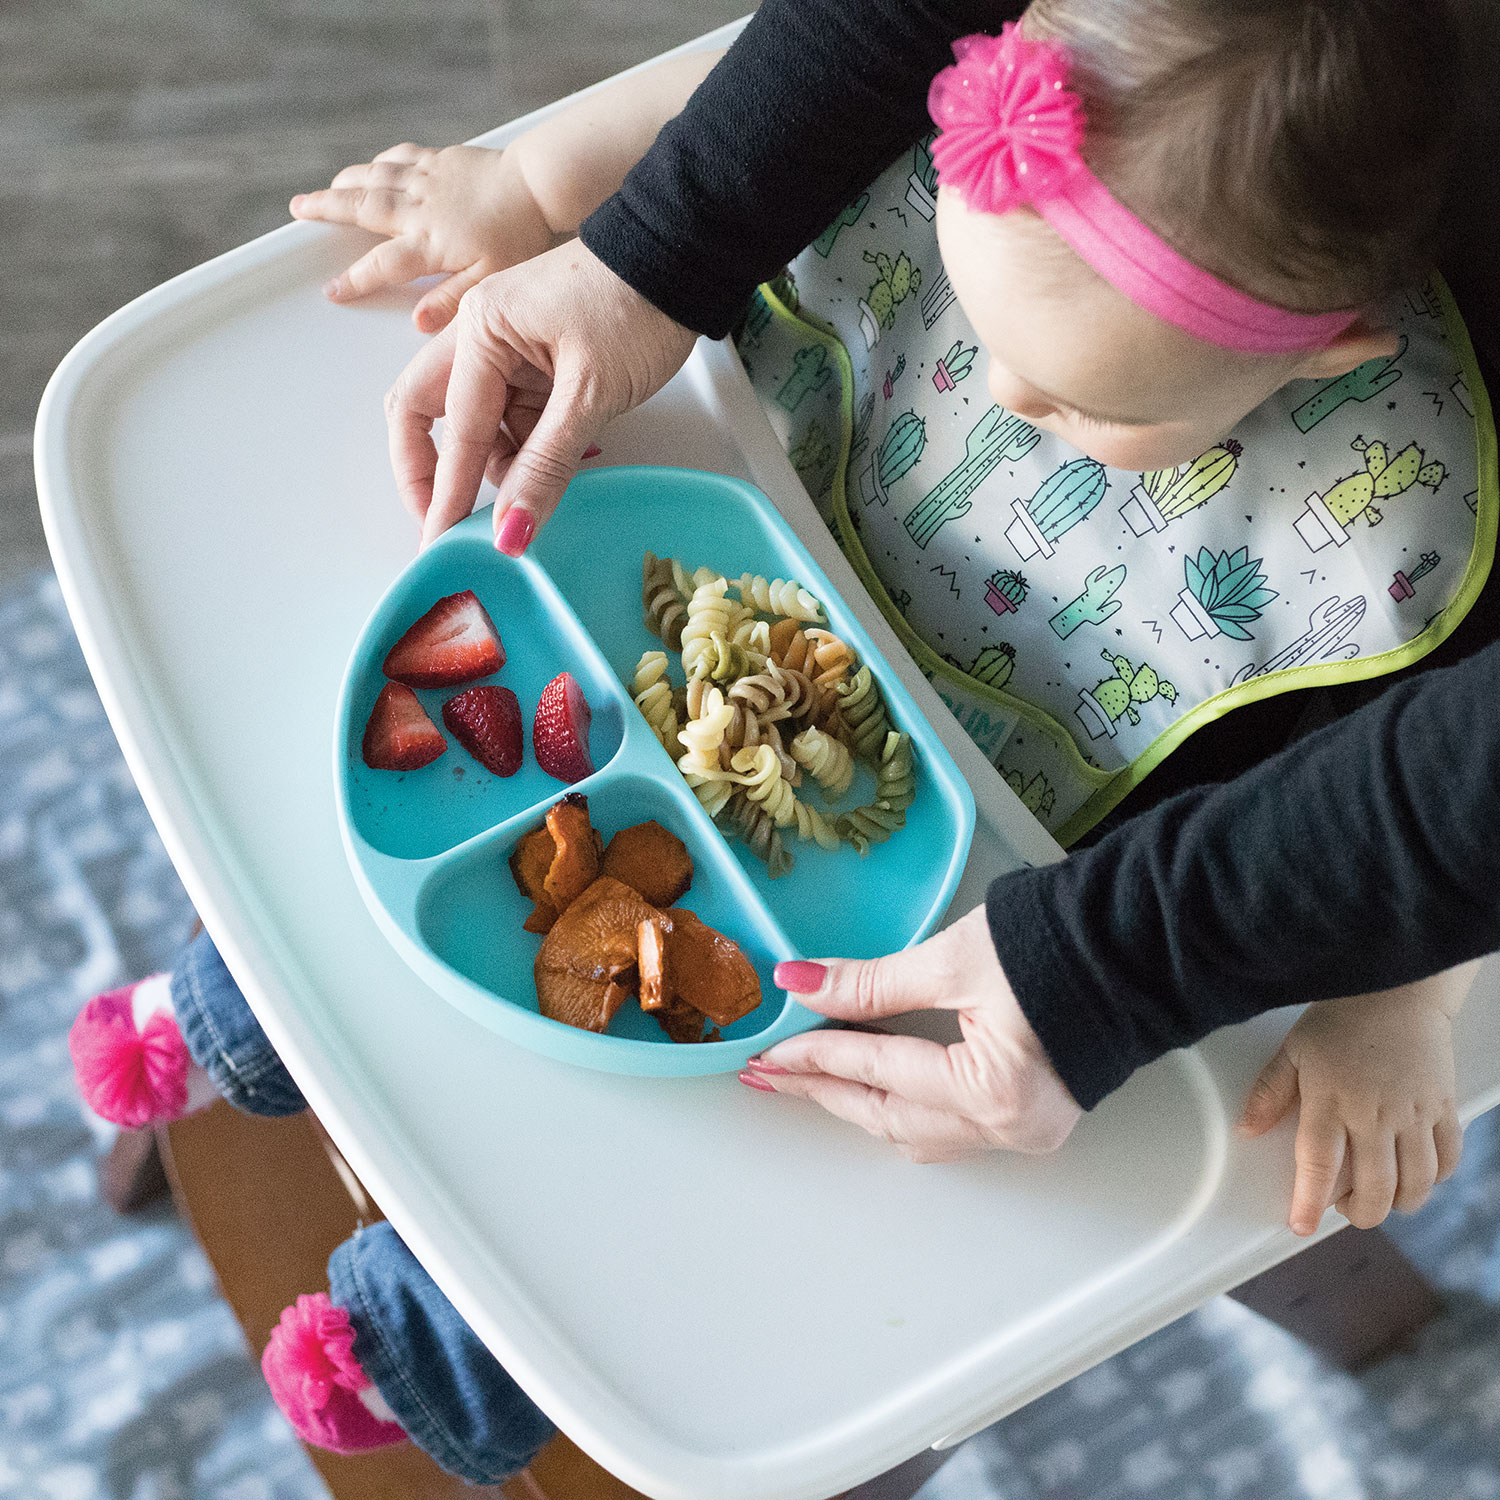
(430, 848)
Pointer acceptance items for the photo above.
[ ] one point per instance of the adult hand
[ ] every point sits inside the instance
(540, 357)
(995, 1089)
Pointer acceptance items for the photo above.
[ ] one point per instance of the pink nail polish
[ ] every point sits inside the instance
(758, 1066)
(800, 976)
(752, 1082)
(515, 531)
(592, 451)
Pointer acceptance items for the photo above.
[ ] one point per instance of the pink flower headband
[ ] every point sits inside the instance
(1010, 133)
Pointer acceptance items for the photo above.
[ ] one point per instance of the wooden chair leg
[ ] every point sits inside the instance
(1353, 1297)
(130, 1172)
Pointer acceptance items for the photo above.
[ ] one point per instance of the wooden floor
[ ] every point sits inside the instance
(139, 137)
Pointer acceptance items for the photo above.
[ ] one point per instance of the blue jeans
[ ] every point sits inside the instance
(451, 1396)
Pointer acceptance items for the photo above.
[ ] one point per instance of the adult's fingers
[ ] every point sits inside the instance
(1270, 1096)
(1416, 1168)
(546, 461)
(1449, 1140)
(921, 1071)
(478, 389)
(926, 977)
(1319, 1153)
(440, 306)
(412, 405)
(916, 1130)
(390, 263)
(1369, 1200)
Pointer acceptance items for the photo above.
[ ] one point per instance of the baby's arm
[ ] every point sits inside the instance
(1374, 1075)
(470, 211)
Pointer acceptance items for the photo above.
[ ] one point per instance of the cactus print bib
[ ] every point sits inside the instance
(1081, 621)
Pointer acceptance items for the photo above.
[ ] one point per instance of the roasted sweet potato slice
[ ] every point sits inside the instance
(651, 940)
(681, 1022)
(575, 865)
(707, 970)
(586, 967)
(651, 860)
(530, 860)
(543, 915)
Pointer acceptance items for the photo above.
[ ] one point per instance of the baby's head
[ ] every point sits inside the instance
(1301, 151)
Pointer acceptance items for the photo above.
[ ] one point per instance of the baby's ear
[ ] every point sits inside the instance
(1360, 341)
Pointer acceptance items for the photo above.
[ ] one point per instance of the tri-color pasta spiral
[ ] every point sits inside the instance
(895, 790)
(779, 596)
(826, 760)
(707, 615)
(652, 689)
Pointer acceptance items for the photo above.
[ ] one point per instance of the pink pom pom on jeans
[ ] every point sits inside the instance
(315, 1379)
(133, 1078)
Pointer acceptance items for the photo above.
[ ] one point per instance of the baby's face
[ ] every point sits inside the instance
(1074, 356)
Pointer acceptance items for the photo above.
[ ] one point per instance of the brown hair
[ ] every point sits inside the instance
(1306, 150)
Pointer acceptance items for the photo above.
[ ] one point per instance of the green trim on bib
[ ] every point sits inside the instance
(1110, 787)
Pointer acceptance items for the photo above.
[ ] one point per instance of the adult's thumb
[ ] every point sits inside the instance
(868, 989)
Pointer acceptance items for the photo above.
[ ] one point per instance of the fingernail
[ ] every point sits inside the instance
(334, 289)
(298, 201)
(515, 531)
(592, 451)
(800, 976)
(752, 1082)
(764, 1067)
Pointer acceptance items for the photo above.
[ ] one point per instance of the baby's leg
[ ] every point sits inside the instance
(383, 1356)
(171, 1044)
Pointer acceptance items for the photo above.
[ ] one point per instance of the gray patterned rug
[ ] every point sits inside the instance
(124, 1376)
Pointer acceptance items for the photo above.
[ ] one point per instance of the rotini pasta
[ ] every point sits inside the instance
(826, 760)
(862, 709)
(653, 696)
(760, 772)
(811, 824)
(774, 693)
(895, 790)
(707, 612)
(760, 833)
(779, 596)
(702, 735)
(664, 603)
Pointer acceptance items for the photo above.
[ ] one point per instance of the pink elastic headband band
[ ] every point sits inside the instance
(1010, 133)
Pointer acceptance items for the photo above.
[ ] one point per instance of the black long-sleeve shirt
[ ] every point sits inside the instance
(1359, 857)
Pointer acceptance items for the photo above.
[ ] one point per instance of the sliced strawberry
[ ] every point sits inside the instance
(400, 736)
(486, 721)
(560, 731)
(455, 641)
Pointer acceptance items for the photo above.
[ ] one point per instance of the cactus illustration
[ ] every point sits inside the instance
(1358, 384)
(1005, 592)
(850, 215)
(888, 387)
(995, 437)
(1329, 625)
(813, 372)
(812, 458)
(757, 320)
(993, 665)
(1166, 495)
(783, 286)
(897, 454)
(1037, 795)
(895, 280)
(1460, 392)
(1130, 686)
(1063, 499)
(1094, 605)
(1401, 586)
(1224, 593)
(922, 185)
(1383, 478)
(954, 365)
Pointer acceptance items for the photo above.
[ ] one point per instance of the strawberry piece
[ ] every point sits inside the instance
(400, 736)
(455, 641)
(560, 731)
(486, 721)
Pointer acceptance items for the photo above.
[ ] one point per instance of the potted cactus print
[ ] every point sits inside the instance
(1005, 591)
(1094, 605)
(896, 456)
(1065, 498)
(996, 436)
(813, 459)
(1037, 795)
(1328, 516)
(1223, 594)
(1119, 695)
(895, 281)
(1166, 495)
(954, 365)
(994, 665)
(1329, 626)
(850, 215)
(922, 185)
(1401, 585)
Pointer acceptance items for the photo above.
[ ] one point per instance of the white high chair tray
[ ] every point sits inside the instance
(714, 1292)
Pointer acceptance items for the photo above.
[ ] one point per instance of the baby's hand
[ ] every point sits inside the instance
(1378, 1125)
(465, 210)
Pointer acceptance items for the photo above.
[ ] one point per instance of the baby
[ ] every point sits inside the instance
(1122, 355)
